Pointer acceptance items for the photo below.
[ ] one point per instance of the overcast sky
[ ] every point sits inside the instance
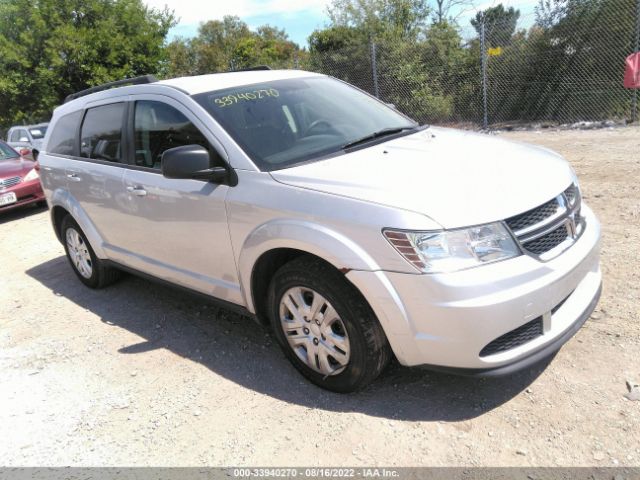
(298, 17)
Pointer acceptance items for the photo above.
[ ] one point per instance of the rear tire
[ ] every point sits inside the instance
(90, 269)
(325, 327)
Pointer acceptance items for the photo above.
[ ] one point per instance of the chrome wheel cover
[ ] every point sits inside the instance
(79, 253)
(314, 330)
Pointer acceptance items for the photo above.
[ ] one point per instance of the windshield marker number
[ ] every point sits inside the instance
(232, 99)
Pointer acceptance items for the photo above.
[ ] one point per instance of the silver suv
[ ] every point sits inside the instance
(356, 233)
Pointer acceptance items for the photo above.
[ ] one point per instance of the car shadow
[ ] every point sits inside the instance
(238, 349)
(20, 212)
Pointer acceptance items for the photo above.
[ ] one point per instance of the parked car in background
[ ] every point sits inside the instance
(26, 138)
(19, 180)
(355, 232)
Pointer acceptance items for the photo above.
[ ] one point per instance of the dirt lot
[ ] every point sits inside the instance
(139, 374)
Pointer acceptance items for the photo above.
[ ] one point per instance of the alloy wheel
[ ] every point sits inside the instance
(79, 253)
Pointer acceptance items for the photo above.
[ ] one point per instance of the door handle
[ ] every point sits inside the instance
(138, 191)
(73, 177)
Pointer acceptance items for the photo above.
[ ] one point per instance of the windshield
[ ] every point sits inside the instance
(6, 152)
(38, 133)
(286, 122)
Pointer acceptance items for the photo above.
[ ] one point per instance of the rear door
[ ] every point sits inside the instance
(94, 178)
(177, 228)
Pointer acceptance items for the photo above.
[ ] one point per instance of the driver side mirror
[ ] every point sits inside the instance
(193, 162)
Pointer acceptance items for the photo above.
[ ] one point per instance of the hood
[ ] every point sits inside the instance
(456, 178)
(15, 168)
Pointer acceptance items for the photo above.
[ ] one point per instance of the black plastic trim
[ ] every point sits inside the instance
(530, 360)
(145, 79)
(222, 303)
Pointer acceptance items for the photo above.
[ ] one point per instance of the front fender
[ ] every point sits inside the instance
(341, 252)
(318, 240)
(62, 198)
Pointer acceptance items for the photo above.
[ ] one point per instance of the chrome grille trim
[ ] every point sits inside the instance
(9, 182)
(567, 215)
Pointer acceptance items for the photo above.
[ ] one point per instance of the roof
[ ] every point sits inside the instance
(35, 125)
(220, 81)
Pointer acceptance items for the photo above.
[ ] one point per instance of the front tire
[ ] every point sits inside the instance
(90, 269)
(325, 327)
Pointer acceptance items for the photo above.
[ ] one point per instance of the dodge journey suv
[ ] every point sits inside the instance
(355, 233)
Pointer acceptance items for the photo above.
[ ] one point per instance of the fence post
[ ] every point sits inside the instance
(634, 111)
(483, 52)
(374, 69)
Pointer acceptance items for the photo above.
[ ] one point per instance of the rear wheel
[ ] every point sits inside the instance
(325, 327)
(90, 269)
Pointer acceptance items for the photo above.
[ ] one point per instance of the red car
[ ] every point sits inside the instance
(19, 180)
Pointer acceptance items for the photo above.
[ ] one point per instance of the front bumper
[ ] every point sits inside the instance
(26, 193)
(445, 320)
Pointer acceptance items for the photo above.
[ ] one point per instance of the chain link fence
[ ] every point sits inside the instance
(561, 64)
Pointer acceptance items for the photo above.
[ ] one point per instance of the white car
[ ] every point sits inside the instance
(351, 230)
(27, 138)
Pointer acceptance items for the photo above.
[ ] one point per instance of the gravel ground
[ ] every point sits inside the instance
(139, 374)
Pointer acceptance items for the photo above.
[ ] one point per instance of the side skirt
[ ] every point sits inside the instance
(239, 309)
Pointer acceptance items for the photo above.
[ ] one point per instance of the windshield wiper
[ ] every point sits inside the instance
(379, 134)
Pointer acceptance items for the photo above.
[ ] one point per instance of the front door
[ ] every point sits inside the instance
(177, 229)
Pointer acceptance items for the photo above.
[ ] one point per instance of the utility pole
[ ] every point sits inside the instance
(483, 52)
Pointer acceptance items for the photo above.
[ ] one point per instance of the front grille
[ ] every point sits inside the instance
(543, 228)
(571, 193)
(547, 242)
(514, 338)
(534, 216)
(9, 182)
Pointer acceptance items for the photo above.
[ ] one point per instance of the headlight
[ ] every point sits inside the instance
(451, 250)
(32, 175)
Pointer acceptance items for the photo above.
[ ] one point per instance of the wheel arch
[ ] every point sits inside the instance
(57, 215)
(273, 244)
(62, 204)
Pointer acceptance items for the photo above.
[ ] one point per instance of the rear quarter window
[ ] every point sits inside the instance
(63, 135)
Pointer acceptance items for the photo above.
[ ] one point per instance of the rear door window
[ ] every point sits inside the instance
(101, 133)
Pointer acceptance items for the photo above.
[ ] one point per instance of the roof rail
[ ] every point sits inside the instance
(127, 81)
(250, 69)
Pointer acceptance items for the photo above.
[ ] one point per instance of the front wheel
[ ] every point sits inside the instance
(325, 326)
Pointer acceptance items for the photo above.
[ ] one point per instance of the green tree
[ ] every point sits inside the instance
(377, 19)
(50, 48)
(229, 44)
(500, 24)
(419, 65)
(574, 50)
(449, 10)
